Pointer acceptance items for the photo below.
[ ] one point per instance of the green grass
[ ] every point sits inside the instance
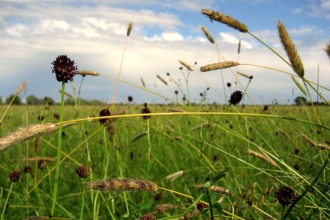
(213, 155)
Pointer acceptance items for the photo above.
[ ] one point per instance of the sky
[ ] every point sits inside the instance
(93, 34)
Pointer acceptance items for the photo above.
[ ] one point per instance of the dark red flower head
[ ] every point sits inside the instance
(146, 111)
(82, 172)
(104, 112)
(130, 98)
(286, 195)
(236, 97)
(64, 68)
(14, 176)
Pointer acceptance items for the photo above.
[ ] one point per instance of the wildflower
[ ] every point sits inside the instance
(56, 115)
(158, 197)
(201, 206)
(286, 195)
(130, 98)
(27, 169)
(104, 112)
(82, 172)
(111, 129)
(146, 111)
(42, 164)
(14, 176)
(236, 97)
(229, 84)
(64, 68)
(148, 217)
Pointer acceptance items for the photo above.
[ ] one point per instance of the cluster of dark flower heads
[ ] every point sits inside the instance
(64, 68)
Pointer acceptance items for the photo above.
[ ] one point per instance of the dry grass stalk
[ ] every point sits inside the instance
(261, 200)
(207, 34)
(129, 29)
(87, 72)
(239, 47)
(21, 87)
(283, 132)
(25, 133)
(142, 81)
(122, 112)
(175, 175)
(290, 50)
(186, 65)
(168, 127)
(161, 79)
(171, 123)
(216, 66)
(302, 89)
(327, 50)
(37, 218)
(125, 184)
(263, 157)
(38, 159)
(138, 136)
(37, 144)
(176, 110)
(199, 126)
(225, 19)
(218, 189)
(248, 191)
(245, 75)
(66, 93)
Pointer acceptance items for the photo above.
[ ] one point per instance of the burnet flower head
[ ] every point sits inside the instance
(64, 68)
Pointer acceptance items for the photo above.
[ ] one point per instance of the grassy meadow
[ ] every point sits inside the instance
(183, 162)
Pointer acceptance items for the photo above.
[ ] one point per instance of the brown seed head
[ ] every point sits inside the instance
(64, 68)
(186, 65)
(21, 87)
(225, 19)
(129, 29)
(148, 217)
(216, 66)
(42, 164)
(104, 112)
(290, 50)
(207, 34)
(327, 50)
(125, 184)
(236, 97)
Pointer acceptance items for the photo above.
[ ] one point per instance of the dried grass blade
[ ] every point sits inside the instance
(263, 157)
(125, 184)
(216, 66)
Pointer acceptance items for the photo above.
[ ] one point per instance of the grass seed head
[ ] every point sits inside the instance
(21, 87)
(129, 29)
(327, 50)
(86, 72)
(290, 50)
(125, 184)
(207, 34)
(161, 79)
(186, 65)
(216, 66)
(138, 136)
(225, 19)
(142, 81)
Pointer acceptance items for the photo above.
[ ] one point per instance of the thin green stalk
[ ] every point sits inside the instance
(58, 159)
(82, 202)
(210, 202)
(149, 147)
(282, 213)
(95, 203)
(106, 152)
(247, 86)
(5, 205)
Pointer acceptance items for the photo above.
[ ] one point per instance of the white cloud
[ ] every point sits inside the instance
(297, 10)
(325, 4)
(302, 30)
(228, 38)
(16, 30)
(166, 36)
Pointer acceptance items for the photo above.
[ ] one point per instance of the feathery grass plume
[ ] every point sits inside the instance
(239, 47)
(225, 19)
(207, 34)
(87, 72)
(142, 81)
(175, 175)
(21, 87)
(125, 184)
(327, 50)
(290, 50)
(138, 136)
(37, 144)
(176, 110)
(283, 132)
(302, 89)
(129, 29)
(309, 140)
(248, 190)
(245, 75)
(38, 159)
(217, 189)
(66, 93)
(199, 126)
(186, 65)
(161, 79)
(263, 157)
(216, 66)
(25, 133)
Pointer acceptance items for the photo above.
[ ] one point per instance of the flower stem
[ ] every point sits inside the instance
(5, 205)
(59, 145)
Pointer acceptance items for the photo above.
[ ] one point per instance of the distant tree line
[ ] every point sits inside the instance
(301, 100)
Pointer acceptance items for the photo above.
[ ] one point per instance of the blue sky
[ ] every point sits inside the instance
(93, 33)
